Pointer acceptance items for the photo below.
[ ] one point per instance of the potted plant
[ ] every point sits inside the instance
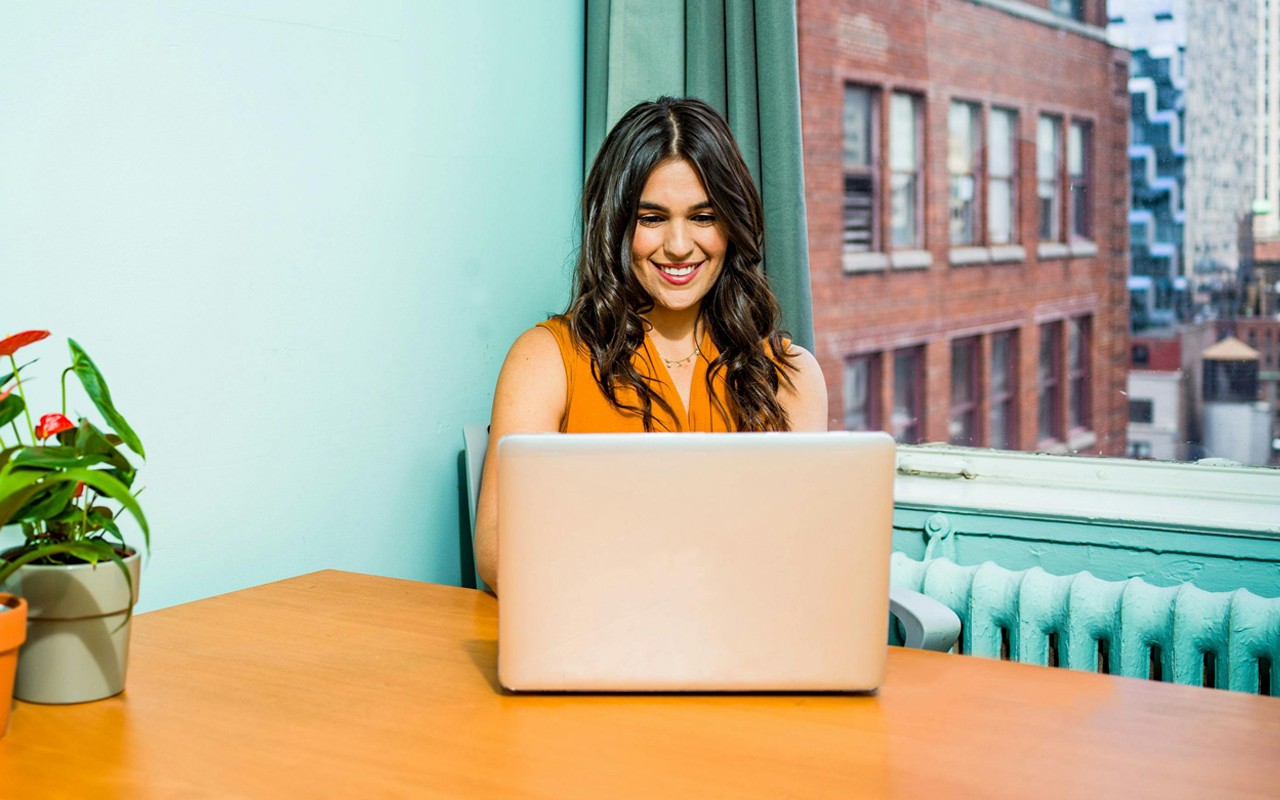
(57, 481)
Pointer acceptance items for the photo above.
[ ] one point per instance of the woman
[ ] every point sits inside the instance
(672, 326)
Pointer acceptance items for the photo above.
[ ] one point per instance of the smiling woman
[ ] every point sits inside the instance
(672, 326)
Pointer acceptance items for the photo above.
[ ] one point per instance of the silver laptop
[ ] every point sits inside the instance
(694, 562)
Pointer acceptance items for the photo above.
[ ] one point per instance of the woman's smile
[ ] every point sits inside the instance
(678, 274)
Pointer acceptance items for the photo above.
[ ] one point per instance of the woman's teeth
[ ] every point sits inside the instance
(677, 272)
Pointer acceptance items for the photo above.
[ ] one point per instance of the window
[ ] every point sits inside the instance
(861, 393)
(963, 143)
(1050, 381)
(964, 391)
(1069, 8)
(1002, 184)
(1139, 449)
(860, 214)
(1048, 154)
(1003, 390)
(1140, 355)
(1078, 373)
(1079, 161)
(905, 146)
(908, 395)
(1141, 410)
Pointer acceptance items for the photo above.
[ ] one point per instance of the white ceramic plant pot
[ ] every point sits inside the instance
(77, 646)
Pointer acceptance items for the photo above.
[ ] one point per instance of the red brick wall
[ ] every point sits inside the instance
(945, 49)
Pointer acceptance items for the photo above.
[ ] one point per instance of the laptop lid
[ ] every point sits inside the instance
(694, 562)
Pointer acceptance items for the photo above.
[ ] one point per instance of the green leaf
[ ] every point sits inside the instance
(96, 387)
(55, 501)
(48, 457)
(11, 408)
(8, 376)
(17, 486)
(91, 441)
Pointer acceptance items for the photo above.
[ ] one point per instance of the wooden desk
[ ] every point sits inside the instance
(343, 685)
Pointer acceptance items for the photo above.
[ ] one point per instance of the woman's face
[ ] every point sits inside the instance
(677, 249)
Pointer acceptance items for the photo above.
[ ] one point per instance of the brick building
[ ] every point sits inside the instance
(966, 176)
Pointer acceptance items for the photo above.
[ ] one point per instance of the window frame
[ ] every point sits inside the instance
(957, 172)
(872, 406)
(1008, 396)
(972, 404)
(1049, 384)
(1049, 176)
(916, 173)
(1011, 179)
(1080, 201)
(1078, 377)
(915, 421)
(870, 172)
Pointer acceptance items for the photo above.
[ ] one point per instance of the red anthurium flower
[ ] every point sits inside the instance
(14, 343)
(51, 424)
(79, 488)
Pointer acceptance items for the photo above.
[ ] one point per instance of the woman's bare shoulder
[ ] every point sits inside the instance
(806, 398)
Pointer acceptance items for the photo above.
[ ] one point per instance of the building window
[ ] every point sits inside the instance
(1048, 155)
(963, 147)
(860, 212)
(1139, 449)
(1002, 186)
(1142, 410)
(1073, 9)
(1003, 390)
(905, 157)
(908, 395)
(1079, 163)
(964, 391)
(1050, 381)
(1140, 355)
(861, 393)
(1078, 373)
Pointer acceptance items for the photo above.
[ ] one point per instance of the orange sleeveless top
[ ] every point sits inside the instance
(587, 410)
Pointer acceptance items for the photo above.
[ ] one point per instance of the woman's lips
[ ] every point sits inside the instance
(678, 274)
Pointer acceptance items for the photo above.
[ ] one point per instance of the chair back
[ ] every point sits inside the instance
(475, 439)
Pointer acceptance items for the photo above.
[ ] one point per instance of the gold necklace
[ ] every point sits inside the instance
(680, 362)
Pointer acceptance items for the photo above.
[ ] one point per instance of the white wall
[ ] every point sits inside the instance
(298, 238)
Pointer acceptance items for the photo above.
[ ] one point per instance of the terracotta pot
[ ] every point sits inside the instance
(13, 632)
(78, 638)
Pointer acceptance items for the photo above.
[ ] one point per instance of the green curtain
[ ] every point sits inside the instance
(741, 57)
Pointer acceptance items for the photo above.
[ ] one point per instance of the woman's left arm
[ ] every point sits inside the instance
(806, 399)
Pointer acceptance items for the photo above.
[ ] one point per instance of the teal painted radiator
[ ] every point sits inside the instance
(1227, 640)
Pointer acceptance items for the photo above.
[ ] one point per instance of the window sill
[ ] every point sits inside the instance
(1184, 496)
(1052, 250)
(864, 262)
(911, 259)
(1083, 248)
(966, 255)
(1008, 253)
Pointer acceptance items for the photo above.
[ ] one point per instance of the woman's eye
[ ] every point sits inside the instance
(705, 219)
(650, 219)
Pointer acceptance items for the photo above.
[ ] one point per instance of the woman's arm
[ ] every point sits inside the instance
(806, 399)
(530, 398)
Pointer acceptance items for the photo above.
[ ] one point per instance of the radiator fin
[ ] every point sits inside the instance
(1185, 634)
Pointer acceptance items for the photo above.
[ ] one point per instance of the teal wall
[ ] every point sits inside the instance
(298, 238)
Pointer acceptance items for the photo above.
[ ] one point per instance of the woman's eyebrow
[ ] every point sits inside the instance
(650, 206)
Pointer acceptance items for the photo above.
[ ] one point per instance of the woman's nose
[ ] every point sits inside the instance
(679, 244)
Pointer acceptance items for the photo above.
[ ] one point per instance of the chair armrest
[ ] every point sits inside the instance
(926, 623)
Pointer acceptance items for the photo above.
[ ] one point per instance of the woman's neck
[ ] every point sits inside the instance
(676, 329)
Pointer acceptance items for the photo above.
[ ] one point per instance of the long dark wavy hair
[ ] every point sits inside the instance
(739, 311)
